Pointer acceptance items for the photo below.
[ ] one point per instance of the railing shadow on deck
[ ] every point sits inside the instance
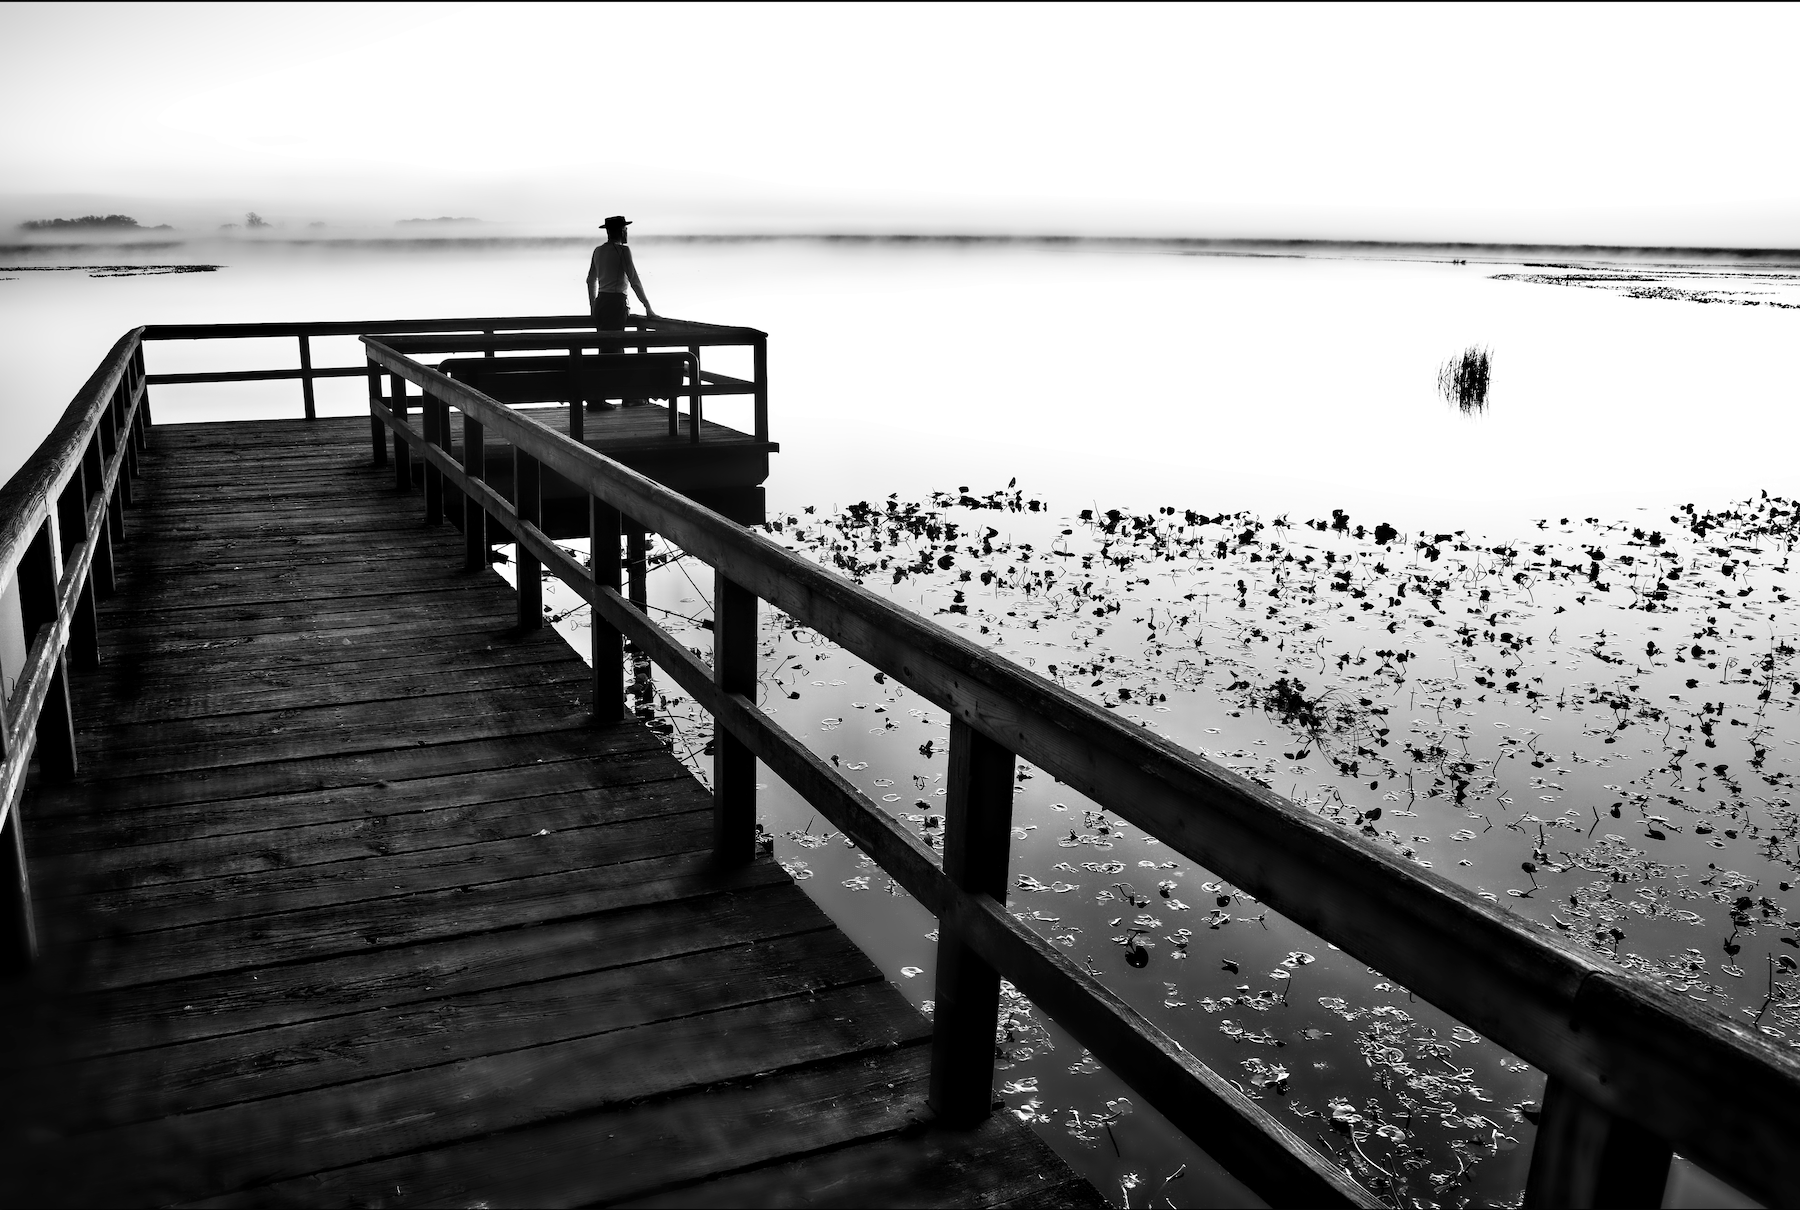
(1635, 1072)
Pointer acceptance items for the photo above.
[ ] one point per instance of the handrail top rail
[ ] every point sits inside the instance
(666, 338)
(33, 488)
(471, 324)
(1704, 1082)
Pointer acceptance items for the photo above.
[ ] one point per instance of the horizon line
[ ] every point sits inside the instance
(1232, 244)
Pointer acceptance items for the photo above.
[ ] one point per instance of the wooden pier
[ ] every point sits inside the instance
(351, 902)
(328, 876)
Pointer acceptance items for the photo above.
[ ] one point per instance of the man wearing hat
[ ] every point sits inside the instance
(608, 271)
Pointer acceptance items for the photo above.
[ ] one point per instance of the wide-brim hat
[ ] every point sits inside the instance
(617, 220)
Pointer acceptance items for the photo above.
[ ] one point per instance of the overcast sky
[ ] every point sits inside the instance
(1627, 124)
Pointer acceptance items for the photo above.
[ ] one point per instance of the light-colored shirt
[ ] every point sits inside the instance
(611, 263)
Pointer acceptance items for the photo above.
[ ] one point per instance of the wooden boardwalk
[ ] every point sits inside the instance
(352, 904)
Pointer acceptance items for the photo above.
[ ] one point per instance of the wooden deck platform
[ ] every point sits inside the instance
(352, 904)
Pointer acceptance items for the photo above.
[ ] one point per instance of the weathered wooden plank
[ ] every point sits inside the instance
(556, 736)
(219, 1151)
(248, 943)
(393, 1039)
(414, 712)
(116, 700)
(349, 527)
(365, 728)
(218, 587)
(335, 649)
(123, 835)
(310, 885)
(715, 1130)
(750, 904)
(301, 550)
(297, 623)
(994, 1163)
(430, 825)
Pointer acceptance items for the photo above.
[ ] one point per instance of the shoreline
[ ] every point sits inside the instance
(1511, 252)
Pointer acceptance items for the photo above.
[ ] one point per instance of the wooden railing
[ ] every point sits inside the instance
(489, 335)
(1634, 1072)
(59, 517)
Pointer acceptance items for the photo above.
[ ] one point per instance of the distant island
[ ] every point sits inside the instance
(440, 219)
(91, 222)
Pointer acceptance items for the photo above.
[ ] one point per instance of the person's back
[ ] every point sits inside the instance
(609, 270)
(610, 262)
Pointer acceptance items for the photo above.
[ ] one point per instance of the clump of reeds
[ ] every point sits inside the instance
(1464, 380)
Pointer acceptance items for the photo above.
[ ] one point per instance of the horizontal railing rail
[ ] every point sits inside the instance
(1633, 1070)
(485, 334)
(59, 517)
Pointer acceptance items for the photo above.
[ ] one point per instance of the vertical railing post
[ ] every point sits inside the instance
(402, 451)
(377, 430)
(112, 436)
(140, 390)
(132, 439)
(475, 547)
(734, 767)
(977, 848)
(18, 931)
(637, 565)
(432, 420)
(93, 468)
(577, 404)
(306, 377)
(694, 398)
(490, 350)
(1587, 1157)
(760, 376)
(609, 644)
(140, 428)
(40, 571)
(528, 499)
(71, 521)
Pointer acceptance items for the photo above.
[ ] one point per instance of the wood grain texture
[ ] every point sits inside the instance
(353, 903)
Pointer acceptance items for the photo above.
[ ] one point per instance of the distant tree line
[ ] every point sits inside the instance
(86, 220)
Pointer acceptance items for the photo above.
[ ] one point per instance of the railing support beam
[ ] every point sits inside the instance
(402, 452)
(377, 431)
(40, 572)
(609, 645)
(759, 377)
(637, 565)
(93, 470)
(306, 377)
(433, 418)
(734, 767)
(528, 499)
(475, 544)
(1586, 1157)
(977, 850)
(18, 931)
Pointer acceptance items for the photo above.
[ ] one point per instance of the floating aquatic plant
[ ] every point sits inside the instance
(1463, 380)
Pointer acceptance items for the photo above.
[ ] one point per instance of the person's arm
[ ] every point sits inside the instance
(593, 276)
(631, 275)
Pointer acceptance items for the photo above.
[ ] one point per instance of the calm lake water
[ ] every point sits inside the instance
(1481, 700)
